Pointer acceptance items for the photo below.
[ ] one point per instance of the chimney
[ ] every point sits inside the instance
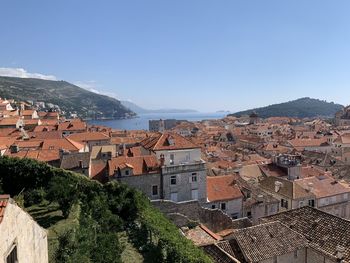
(278, 186)
(260, 198)
(340, 252)
(14, 148)
(310, 187)
(162, 160)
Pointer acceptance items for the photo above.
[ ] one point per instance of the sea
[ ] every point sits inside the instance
(141, 121)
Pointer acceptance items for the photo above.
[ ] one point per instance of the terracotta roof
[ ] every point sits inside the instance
(9, 121)
(220, 188)
(40, 155)
(167, 141)
(323, 186)
(74, 125)
(46, 134)
(45, 128)
(88, 136)
(343, 139)
(140, 164)
(27, 112)
(4, 199)
(64, 143)
(302, 143)
(98, 169)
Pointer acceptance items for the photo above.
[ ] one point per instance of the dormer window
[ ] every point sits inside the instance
(171, 140)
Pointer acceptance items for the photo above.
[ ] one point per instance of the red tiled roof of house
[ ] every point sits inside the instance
(49, 122)
(9, 121)
(45, 128)
(323, 186)
(98, 170)
(27, 112)
(140, 164)
(65, 143)
(167, 141)
(308, 142)
(73, 125)
(4, 199)
(220, 188)
(40, 155)
(88, 136)
(45, 135)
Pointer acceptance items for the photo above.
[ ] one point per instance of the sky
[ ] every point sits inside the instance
(199, 54)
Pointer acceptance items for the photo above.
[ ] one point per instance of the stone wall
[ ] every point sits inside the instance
(19, 229)
(214, 219)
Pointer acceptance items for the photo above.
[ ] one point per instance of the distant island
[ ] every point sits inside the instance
(139, 110)
(68, 98)
(300, 108)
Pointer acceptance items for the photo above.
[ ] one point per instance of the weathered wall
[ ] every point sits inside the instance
(20, 228)
(214, 219)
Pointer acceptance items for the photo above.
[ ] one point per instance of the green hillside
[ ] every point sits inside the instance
(69, 98)
(91, 222)
(300, 108)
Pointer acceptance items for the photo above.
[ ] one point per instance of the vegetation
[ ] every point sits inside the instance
(70, 98)
(301, 108)
(90, 222)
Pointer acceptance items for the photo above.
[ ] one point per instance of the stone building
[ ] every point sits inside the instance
(342, 117)
(223, 193)
(21, 238)
(183, 172)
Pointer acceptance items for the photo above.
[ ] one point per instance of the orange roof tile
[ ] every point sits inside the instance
(167, 141)
(88, 136)
(139, 164)
(220, 188)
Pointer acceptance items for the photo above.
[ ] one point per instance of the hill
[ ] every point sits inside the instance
(139, 110)
(300, 108)
(70, 98)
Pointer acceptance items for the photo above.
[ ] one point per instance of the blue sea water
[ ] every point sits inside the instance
(141, 122)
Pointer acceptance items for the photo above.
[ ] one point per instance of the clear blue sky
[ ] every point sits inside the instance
(202, 54)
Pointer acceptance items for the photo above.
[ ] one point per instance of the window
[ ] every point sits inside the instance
(194, 194)
(213, 206)
(296, 254)
(126, 172)
(312, 203)
(154, 189)
(173, 197)
(284, 203)
(249, 214)
(172, 157)
(345, 196)
(194, 177)
(275, 259)
(12, 257)
(301, 203)
(223, 206)
(173, 180)
(235, 216)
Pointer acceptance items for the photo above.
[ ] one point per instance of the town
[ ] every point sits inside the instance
(242, 189)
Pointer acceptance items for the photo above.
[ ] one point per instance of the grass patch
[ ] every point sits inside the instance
(49, 216)
(130, 253)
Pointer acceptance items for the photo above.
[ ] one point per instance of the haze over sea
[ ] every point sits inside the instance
(141, 122)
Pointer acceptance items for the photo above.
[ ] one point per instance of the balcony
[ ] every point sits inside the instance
(183, 168)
